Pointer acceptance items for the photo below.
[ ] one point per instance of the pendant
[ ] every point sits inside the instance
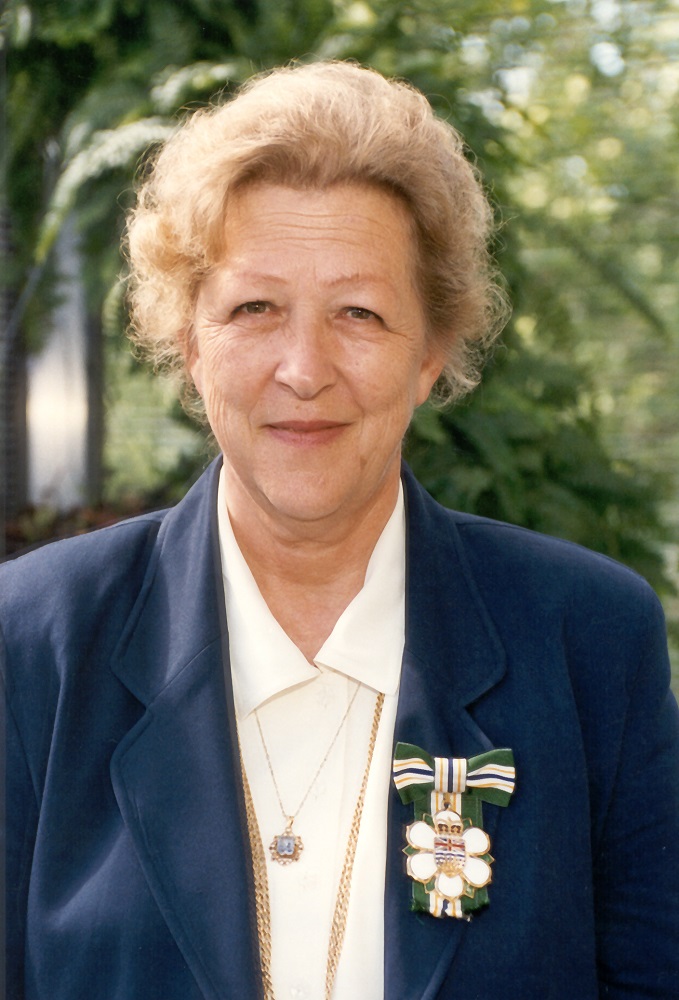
(286, 846)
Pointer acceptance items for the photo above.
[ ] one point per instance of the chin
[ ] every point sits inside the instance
(302, 508)
(303, 498)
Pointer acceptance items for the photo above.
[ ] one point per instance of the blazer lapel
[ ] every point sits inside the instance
(176, 774)
(452, 656)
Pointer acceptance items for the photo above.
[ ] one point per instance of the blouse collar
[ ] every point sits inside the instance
(366, 643)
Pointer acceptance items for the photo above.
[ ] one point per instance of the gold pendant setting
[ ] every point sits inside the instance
(286, 847)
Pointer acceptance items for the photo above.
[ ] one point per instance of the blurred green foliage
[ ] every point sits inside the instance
(571, 111)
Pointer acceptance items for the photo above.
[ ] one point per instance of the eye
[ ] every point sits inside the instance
(358, 312)
(252, 308)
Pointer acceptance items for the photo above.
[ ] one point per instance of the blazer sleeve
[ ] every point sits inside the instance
(20, 812)
(61, 610)
(588, 676)
(636, 852)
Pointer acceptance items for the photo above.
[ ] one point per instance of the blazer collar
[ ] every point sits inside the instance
(452, 657)
(176, 774)
(179, 610)
(182, 592)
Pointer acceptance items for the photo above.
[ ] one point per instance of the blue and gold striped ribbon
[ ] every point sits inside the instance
(489, 776)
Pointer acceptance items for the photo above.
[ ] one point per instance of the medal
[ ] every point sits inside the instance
(448, 852)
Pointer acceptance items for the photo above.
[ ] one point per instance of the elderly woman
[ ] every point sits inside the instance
(265, 743)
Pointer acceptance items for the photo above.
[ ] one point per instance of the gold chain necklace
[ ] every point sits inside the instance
(262, 904)
(287, 846)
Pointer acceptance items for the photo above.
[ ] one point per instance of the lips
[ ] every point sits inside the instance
(306, 426)
(306, 431)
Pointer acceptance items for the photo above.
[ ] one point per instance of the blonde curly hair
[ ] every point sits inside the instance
(312, 126)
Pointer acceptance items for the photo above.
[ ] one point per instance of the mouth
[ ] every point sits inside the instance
(305, 426)
(306, 431)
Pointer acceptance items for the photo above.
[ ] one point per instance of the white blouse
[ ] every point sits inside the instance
(300, 707)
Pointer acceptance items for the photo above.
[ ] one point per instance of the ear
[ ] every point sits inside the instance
(431, 368)
(196, 371)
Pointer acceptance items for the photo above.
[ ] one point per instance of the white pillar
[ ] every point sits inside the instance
(57, 393)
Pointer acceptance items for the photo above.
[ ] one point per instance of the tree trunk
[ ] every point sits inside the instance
(13, 439)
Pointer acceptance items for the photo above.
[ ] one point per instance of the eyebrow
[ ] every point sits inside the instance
(355, 277)
(358, 278)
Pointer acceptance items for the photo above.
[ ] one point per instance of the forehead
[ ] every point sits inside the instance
(345, 226)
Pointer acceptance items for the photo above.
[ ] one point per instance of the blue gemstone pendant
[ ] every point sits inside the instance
(286, 847)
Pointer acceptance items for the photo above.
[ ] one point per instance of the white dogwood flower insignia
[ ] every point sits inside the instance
(447, 853)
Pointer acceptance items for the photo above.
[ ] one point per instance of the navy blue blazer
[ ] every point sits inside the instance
(128, 864)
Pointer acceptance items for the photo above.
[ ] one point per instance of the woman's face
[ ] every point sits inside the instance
(310, 350)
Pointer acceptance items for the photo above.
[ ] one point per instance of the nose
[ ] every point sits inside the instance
(306, 364)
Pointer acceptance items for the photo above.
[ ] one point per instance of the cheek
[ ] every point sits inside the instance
(210, 367)
(388, 404)
(229, 387)
(225, 416)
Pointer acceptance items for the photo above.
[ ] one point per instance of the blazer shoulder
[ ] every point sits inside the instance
(76, 564)
(524, 570)
(74, 593)
(530, 556)
(604, 612)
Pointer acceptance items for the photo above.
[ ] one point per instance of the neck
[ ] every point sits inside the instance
(308, 572)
